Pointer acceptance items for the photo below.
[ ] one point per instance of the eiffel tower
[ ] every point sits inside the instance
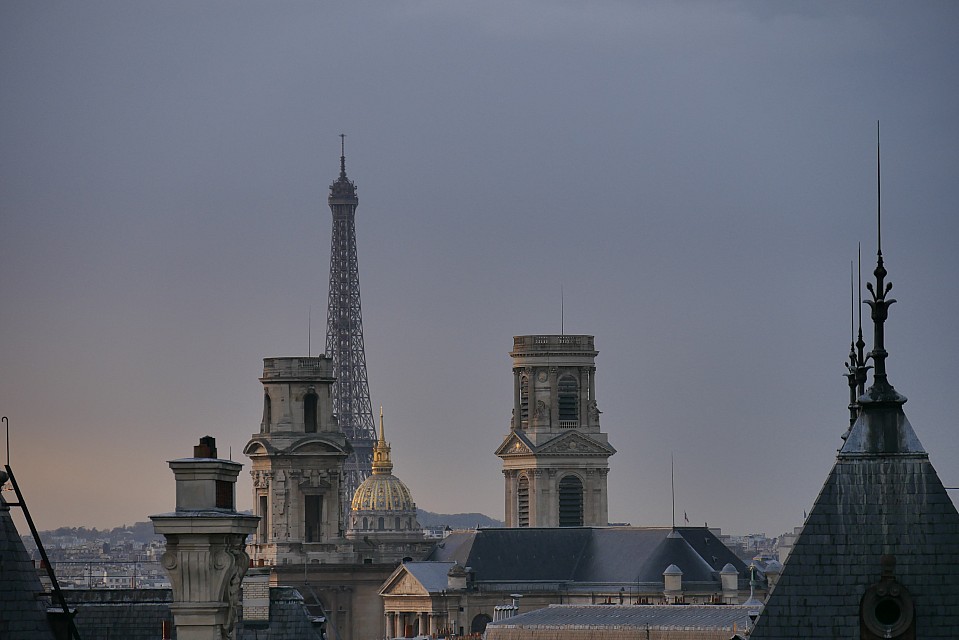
(344, 336)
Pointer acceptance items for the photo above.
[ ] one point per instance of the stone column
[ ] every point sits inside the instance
(603, 496)
(553, 400)
(511, 510)
(517, 404)
(543, 497)
(391, 624)
(583, 397)
(530, 400)
(592, 383)
(205, 553)
(424, 625)
(553, 498)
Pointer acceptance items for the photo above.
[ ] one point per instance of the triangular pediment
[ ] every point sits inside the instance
(575, 443)
(515, 444)
(403, 583)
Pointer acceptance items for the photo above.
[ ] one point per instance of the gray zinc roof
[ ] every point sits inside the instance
(686, 617)
(432, 575)
(588, 555)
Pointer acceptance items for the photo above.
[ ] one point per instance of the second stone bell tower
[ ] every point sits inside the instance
(555, 458)
(298, 458)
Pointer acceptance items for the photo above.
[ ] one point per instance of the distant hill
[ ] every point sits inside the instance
(456, 520)
(143, 531)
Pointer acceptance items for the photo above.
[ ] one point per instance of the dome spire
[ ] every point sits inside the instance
(382, 465)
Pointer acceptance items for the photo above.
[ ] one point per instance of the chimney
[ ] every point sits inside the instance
(730, 583)
(456, 578)
(205, 553)
(673, 583)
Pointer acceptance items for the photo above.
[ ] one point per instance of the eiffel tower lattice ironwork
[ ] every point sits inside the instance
(344, 337)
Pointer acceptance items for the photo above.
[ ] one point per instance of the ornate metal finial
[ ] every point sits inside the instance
(860, 343)
(856, 368)
(881, 389)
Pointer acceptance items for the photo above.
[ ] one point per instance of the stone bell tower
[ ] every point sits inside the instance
(555, 457)
(298, 458)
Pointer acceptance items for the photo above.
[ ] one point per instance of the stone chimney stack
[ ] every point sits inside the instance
(730, 583)
(205, 545)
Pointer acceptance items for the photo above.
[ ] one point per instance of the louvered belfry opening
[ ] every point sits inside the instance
(522, 498)
(570, 502)
(568, 400)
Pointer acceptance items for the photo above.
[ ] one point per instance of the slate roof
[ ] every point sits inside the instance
(596, 618)
(626, 555)
(111, 614)
(137, 614)
(432, 575)
(867, 508)
(23, 613)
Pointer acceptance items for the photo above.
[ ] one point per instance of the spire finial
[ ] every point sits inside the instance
(879, 303)
(382, 437)
(382, 465)
(856, 367)
(342, 155)
(878, 196)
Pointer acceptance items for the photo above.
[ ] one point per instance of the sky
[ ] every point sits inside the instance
(694, 177)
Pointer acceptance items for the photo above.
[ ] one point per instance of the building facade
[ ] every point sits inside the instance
(555, 457)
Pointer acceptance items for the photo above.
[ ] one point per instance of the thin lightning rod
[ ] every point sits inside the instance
(859, 252)
(562, 312)
(672, 486)
(6, 421)
(878, 193)
(852, 303)
(309, 332)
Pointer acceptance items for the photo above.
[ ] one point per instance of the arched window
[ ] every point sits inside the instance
(382, 523)
(524, 401)
(570, 502)
(366, 524)
(568, 397)
(479, 623)
(522, 501)
(397, 523)
(310, 401)
(267, 413)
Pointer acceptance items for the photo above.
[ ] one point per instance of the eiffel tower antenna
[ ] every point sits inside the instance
(344, 336)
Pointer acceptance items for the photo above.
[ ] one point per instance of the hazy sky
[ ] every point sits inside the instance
(695, 176)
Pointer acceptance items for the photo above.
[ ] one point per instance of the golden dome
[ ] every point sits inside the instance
(382, 491)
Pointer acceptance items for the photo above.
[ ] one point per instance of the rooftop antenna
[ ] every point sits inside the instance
(672, 485)
(562, 312)
(6, 421)
(342, 155)
(309, 331)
